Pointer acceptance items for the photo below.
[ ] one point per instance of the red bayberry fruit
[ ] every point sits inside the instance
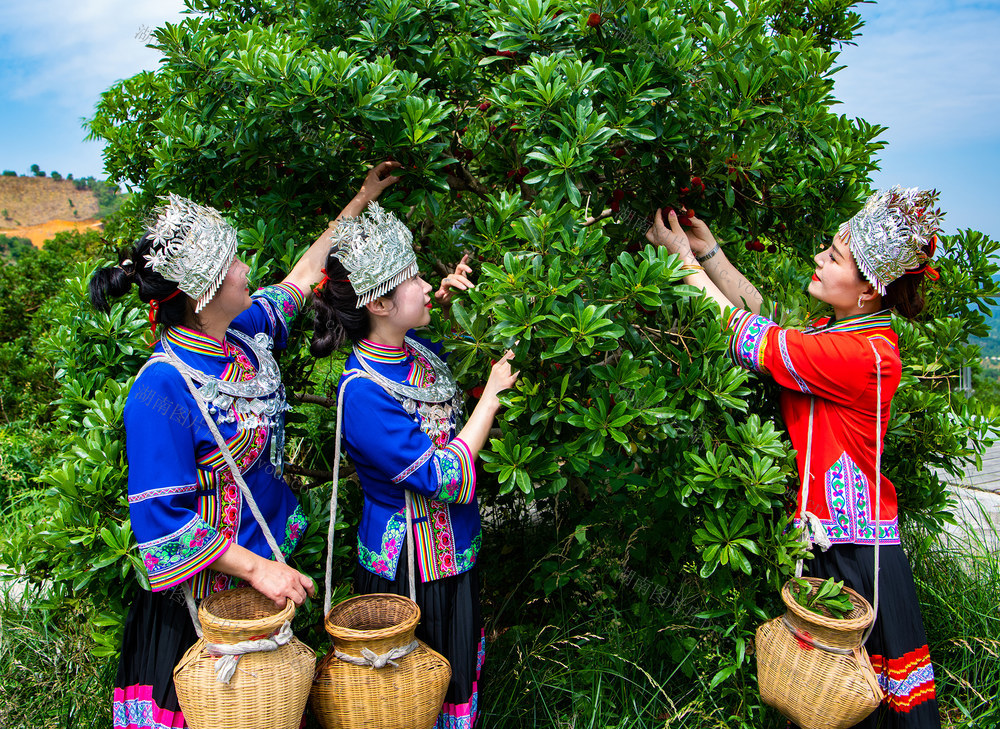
(507, 54)
(619, 153)
(618, 195)
(748, 245)
(226, 204)
(782, 227)
(685, 190)
(483, 107)
(511, 173)
(772, 248)
(464, 130)
(477, 391)
(757, 245)
(318, 210)
(615, 206)
(594, 20)
(458, 195)
(696, 182)
(557, 13)
(515, 127)
(493, 128)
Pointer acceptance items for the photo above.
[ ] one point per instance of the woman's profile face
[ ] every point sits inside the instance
(233, 296)
(411, 304)
(836, 279)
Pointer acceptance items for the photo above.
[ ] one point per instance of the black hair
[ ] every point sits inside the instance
(339, 319)
(115, 281)
(906, 295)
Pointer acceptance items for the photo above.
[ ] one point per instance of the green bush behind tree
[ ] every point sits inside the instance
(642, 450)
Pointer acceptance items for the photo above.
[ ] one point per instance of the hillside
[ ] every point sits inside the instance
(28, 201)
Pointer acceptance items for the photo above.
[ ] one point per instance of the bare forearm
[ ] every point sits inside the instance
(733, 284)
(477, 428)
(308, 271)
(238, 561)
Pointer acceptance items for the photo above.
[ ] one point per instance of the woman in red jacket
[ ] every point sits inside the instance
(838, 379)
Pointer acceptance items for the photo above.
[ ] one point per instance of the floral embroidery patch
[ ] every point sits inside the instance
(848, 498)
(295, 527)
(384, 563)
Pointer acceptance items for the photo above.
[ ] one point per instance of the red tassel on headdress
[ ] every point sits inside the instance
(927, 269)
(154, 307)
(323, 282)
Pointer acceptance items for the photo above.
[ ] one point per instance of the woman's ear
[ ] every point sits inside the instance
(379, 307)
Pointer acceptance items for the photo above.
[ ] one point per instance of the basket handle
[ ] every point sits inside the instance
(878, 484)
(244, 489)
(328, 586)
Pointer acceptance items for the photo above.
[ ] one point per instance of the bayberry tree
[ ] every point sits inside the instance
(540, 135)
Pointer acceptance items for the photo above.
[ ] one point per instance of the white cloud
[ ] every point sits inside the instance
(71, 50)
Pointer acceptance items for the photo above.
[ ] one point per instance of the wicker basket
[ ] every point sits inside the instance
(268, 690)
(814, 687)
(408, 696)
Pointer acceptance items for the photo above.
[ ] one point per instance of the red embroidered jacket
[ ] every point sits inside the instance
(835, 364)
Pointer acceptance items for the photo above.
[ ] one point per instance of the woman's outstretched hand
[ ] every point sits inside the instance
(674, 239)
(501, 378)
(699, 236)
(458, 279)
(377, 180)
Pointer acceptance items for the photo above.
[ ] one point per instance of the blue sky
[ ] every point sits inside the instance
(930, 71)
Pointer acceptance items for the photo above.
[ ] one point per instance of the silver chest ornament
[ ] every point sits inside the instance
(259, 401)
(438, 404)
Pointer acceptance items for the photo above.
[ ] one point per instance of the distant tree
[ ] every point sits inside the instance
(70, 177)
(5, 215)
(9, 173)
(13, 247)
(37, 171)
(55, 175)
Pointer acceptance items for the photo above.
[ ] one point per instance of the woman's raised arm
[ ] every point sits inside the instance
(308, 271)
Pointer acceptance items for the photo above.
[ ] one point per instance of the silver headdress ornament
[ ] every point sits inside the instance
(192, 246)
(377, 251)
(888, 235)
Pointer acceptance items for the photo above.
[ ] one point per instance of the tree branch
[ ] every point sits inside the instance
(326, 402)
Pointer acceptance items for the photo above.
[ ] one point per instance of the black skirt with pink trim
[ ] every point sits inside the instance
(158, 630)
(451, 624)
(898, 644)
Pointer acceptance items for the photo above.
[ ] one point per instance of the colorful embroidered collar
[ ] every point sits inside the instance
(859, 323)
(375, 352)
(194, 341)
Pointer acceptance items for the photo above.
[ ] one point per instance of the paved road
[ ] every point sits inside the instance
(978, 504)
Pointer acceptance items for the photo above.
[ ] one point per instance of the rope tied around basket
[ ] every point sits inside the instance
(231, 652)
(371, 658)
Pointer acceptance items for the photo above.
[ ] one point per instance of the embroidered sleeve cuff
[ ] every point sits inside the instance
(747, 339)
(178, 556)
(286, 298)
(456, 473)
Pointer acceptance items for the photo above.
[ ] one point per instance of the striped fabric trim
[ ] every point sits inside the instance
(284, 299)
(238, 446)
(423, 535)
(908, 681)
(748, 339)
(456, 473)
(159, 493)
(134, 708)
(194, 341)
(381, 353)
(862, 323)
(787, 360)
(177, 556)
(414, 466)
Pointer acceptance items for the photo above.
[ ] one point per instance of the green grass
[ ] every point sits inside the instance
(960, 598)
(572, 662)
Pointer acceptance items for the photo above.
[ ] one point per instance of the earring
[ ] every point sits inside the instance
(860, 303)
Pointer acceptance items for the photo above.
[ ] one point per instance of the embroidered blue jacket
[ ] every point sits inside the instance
(186, 508)
(394, 450)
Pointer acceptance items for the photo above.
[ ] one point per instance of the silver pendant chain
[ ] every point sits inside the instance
(441, 390)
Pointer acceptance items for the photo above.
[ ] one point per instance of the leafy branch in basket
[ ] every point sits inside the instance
(830, 599)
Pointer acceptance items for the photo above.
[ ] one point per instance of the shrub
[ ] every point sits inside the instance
(636, 444)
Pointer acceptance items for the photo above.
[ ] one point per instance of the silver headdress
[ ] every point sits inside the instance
(192, 246)
(377, 251)
(888, 235)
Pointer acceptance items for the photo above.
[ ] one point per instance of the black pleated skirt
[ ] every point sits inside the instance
(898, 644)
(450, 623)
(158, 630)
